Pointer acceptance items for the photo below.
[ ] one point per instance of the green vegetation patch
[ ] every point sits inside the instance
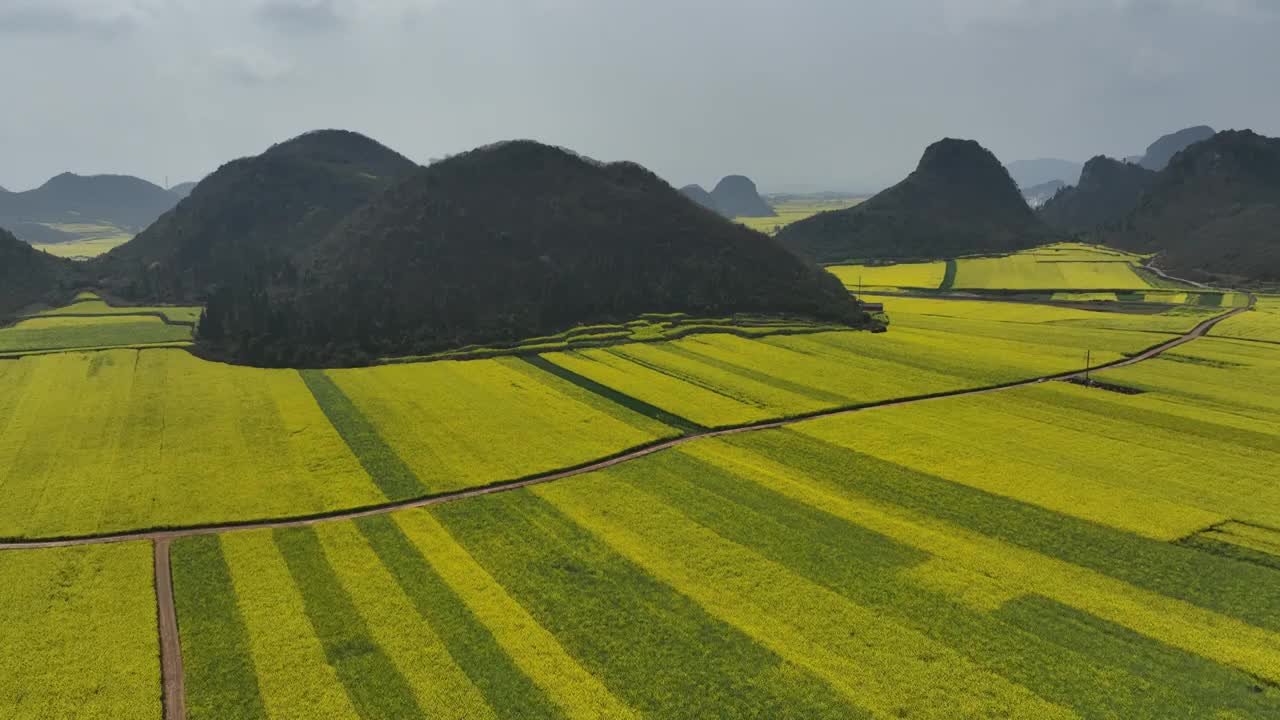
(217, 663)
(653, 647)
(507, 690)
(396, 480)
(376, 688)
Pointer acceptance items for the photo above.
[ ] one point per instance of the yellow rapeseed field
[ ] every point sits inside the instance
(96, 442)
(78, 630)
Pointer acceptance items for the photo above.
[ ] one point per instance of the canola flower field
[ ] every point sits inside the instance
(1054, 550)
(1262, 324)
(807, 572)
(79, 634)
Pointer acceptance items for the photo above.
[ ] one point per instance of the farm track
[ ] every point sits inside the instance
(171, 665)
(171, 674)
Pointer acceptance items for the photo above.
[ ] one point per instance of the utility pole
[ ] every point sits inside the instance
(1088, 365)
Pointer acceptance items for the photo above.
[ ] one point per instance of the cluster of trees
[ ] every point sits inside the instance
(28, 276)
(504, 243)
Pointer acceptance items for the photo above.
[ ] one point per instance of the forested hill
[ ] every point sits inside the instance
(122, 201)
(1214, 212)
(958, 201)
(1108, 191)
(508, 242)
(251, 216)
(29, 276)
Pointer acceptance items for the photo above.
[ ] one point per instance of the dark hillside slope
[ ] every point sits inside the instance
(508, 242)
(28, 276)
(1160, 152)
(1214, 212)
(958, 201)
(251, 216)
(737, 196)
(1108, 191)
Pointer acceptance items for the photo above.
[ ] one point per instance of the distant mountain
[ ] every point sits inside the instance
(1160, 152)
(1038, 195)
(507, 242)
(958, 201)
(125, 202)
(29, 276)
(183, 189)
(1029, 173)
(1214, 212)
(1107, 192)
(699, 195)
(252, 215)
(736, 196)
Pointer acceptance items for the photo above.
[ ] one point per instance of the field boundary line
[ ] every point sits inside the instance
(172, 686)
(169, 534)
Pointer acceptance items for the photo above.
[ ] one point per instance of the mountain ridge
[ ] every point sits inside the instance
(959, 200)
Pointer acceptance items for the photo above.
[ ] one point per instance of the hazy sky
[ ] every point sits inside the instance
(795, 93)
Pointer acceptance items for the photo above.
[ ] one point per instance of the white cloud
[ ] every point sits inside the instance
(61, 16)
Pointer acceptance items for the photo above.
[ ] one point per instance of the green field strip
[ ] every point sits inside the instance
(1235, 590)
(685, 377)
(294, 677)
(608, 393)
(579, 694)
(813, 393)
(376, 687)
(221, 683)
(441, 687)
(31, 340)
(836, 554)
(597, 402)
(697, 404)
(392, 476)
(881, 666)
(949, 276)
(473, 647)
(1178, 683)
(653, 647)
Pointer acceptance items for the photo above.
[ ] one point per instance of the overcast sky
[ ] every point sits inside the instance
(798, 94)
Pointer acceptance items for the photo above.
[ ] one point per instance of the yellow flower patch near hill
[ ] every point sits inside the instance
(126, 439)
